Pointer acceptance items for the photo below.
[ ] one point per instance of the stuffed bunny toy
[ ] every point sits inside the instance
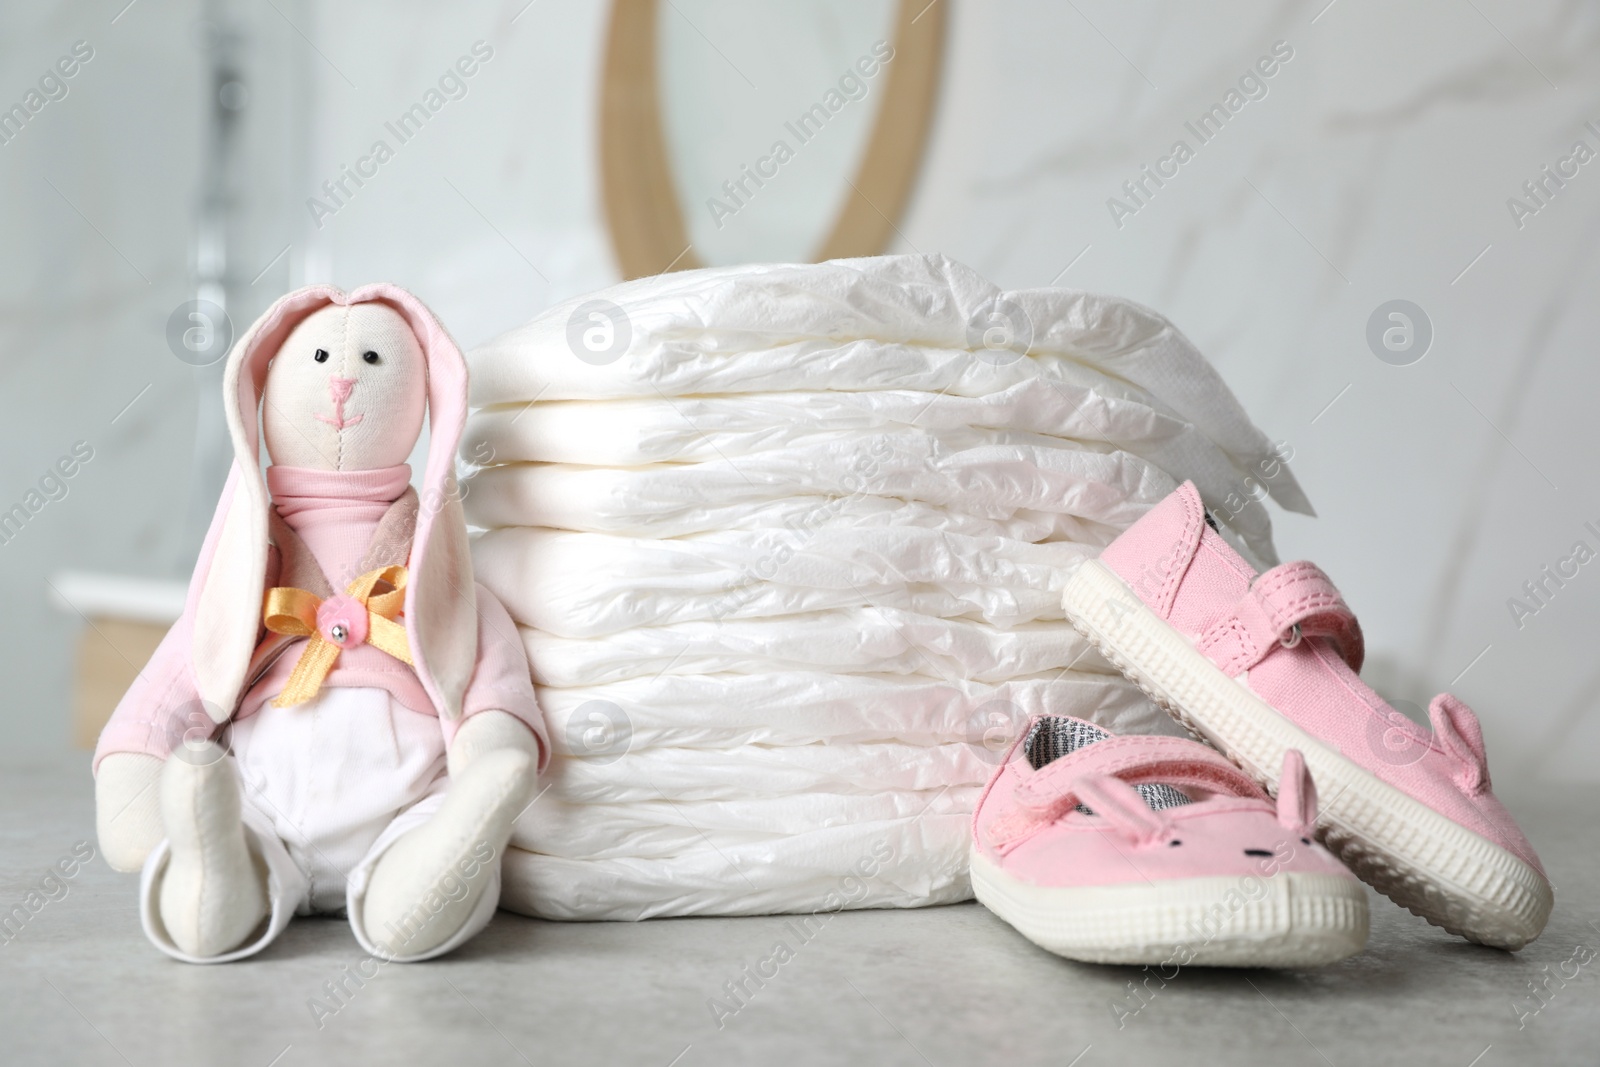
(341, 720)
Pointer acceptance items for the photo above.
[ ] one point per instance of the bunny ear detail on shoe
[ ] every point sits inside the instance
(1122, 849)
(1297, 795)
(1121, 805)
(1458, 732)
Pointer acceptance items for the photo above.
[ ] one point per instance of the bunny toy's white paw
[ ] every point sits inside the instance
(428, 884)
(127, 808)
(213, 895)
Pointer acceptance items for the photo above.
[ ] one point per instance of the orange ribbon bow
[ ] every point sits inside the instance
(343, 621)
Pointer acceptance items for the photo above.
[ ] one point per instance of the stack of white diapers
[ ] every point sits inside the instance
(786, 544)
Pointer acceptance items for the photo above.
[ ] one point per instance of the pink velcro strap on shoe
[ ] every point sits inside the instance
(1288, 597)
(1053, 791)
(1137, 760)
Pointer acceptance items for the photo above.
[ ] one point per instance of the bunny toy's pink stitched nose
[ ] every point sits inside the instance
(339, 390)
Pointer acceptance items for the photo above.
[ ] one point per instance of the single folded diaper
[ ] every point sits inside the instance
(899, 862)
(574, 498)
(584, 585)
(818, 711)
(869, 639)
(663, 830)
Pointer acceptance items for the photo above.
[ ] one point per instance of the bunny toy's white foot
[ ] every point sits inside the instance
(213, 894)
(429, 883)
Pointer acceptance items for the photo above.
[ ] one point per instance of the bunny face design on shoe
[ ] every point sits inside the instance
(1157, 850)
(336, 370)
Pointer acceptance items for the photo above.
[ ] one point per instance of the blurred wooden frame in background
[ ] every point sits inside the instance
(123, 620)
(111, 653)
(643, 212)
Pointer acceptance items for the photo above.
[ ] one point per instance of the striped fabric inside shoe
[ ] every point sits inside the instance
(1054, 736)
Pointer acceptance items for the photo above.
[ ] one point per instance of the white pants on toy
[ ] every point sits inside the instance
(325, 788)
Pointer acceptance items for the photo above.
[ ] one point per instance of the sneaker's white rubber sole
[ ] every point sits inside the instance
(1286, 920)
(1418, 858)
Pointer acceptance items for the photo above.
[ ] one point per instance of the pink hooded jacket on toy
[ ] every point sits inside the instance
(467, 654)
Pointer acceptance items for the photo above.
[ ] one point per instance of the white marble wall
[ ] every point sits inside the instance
(1377, 166)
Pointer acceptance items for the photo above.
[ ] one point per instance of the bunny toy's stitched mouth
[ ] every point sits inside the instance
(339, 390)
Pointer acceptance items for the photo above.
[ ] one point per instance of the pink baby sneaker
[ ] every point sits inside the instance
(1156, 850)
(1259, 664)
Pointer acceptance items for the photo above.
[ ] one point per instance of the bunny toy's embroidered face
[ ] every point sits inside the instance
(347, 391)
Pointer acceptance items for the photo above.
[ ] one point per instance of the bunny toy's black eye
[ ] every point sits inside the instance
(370, 357)
(321, 356)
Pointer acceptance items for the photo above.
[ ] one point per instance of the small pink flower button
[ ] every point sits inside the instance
(342, 619)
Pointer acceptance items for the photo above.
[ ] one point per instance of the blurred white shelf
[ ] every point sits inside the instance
(118, 596)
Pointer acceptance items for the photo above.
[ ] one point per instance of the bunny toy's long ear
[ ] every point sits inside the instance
(224, 604)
